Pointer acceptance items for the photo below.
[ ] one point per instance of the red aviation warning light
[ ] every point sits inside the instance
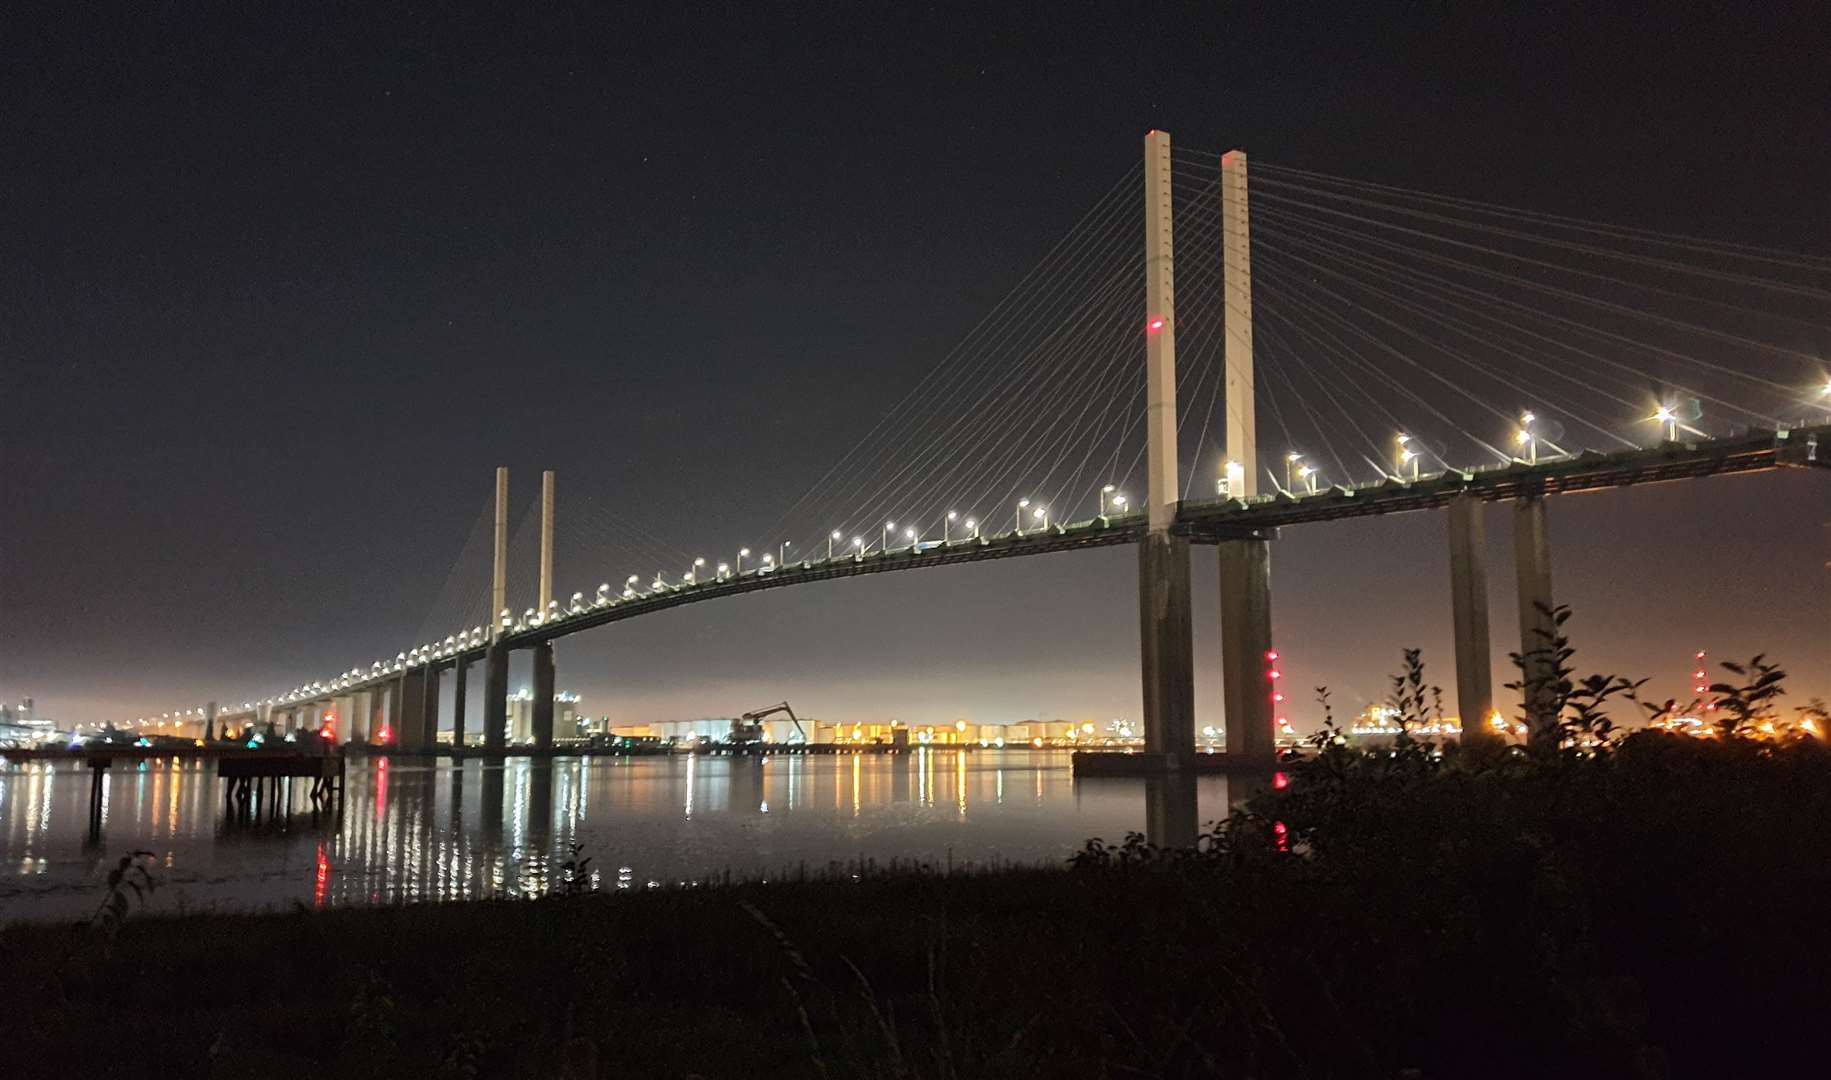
(1281, 725)
(1154, 325)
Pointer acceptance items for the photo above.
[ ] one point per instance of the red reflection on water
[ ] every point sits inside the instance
(1281, 780)
(381, 789)
(323, 879)
(1283, 834)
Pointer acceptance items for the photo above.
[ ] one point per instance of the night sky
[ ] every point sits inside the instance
(284, 283)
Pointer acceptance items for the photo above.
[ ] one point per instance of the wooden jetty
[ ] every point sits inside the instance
(254, 780)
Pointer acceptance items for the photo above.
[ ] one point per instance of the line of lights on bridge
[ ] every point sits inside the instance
(1300, 478)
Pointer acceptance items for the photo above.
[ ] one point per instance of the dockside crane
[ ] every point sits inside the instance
(749, 727)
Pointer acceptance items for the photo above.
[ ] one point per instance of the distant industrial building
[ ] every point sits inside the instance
(960, 733)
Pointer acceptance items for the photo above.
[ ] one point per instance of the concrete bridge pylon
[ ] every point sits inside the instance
(1165, 638)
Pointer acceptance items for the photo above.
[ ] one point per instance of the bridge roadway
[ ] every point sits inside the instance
(1203, 521)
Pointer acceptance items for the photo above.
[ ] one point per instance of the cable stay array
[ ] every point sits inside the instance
(1397, 329)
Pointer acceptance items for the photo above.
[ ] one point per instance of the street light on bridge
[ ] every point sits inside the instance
(1232, 480)
(742, 554)
(831, 539)
(947, 527)
(693, 572)
(1022, 505)
(1407, 456)
(1290, 459)
(1041, 514)
(1104, 492)
(973, 527)
(858, 548)
(1665, 415)
(1524, 437)
(629, 587)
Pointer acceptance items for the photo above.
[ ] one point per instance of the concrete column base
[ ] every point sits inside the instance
(496, 698)
(429, 711)
(541, 714)
(1538, 630)
(1469, 613)
(378, 716)
(409, 726)
(1166, 648)
(460, 675)
(1246, 638)
(390, 735)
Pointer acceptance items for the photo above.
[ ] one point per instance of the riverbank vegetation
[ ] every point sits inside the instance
(1586, 904)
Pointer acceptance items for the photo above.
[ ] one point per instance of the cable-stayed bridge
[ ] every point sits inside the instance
(1294, 349)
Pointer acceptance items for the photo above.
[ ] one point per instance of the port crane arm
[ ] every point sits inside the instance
(779, 707)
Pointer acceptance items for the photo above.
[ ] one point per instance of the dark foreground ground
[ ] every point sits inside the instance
(1660, 910)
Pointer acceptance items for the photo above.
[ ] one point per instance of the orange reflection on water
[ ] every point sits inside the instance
(323, 879)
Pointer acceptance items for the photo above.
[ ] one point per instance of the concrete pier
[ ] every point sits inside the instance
(396, 689)
(378, 716)
(1469, 615)
(409, 728)
(429, 712)
(1537, 628)
(1166, 649)
(496, 698)
(460, 676)
(1246, 642)
(541, 713)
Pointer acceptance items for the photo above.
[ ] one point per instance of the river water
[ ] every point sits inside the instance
(413, 830)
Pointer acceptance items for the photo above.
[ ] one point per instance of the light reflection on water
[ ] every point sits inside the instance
(413, 830)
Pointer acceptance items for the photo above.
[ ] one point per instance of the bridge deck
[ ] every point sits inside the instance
(1214, 520)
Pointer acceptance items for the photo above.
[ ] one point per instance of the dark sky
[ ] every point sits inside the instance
(283, 283)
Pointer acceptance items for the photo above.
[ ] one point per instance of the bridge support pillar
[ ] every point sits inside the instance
(409, 725)
(1469, 616)
(1166, 648)
(1246, 639)
(429, 712)
(496, 698)
(1172, 818)
(542, 705)
(460, 675)
(392, 727)
(378, 715)
(1538, 628)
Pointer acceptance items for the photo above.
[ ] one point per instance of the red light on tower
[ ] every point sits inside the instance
(1154, 325)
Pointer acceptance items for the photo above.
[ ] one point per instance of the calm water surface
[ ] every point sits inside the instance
(415, 830)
